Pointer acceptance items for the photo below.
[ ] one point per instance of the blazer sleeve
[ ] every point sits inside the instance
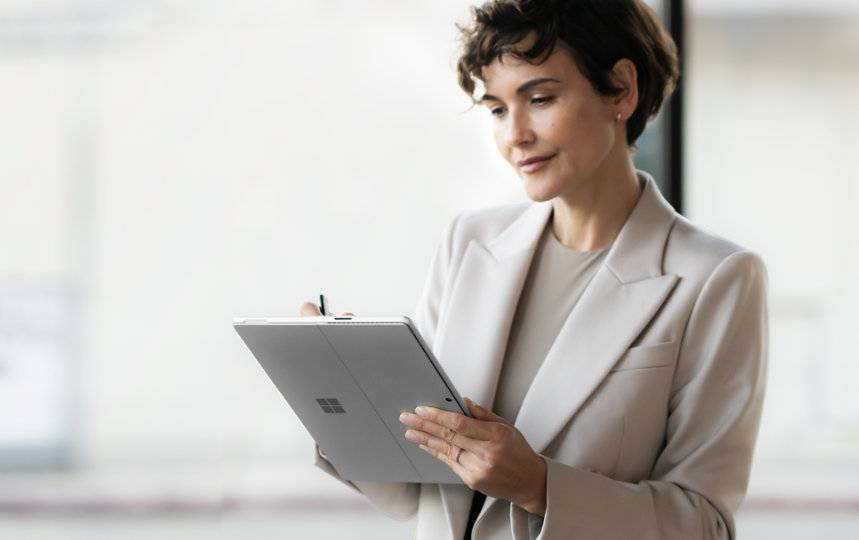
(400, 500)
(700, 477)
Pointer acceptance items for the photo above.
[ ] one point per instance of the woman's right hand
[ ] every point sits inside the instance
(309, 309)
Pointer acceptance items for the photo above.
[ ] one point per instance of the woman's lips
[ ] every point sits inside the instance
(533, 164)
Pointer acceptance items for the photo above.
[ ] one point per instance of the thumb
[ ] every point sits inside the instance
(309, 309)
(482, 413)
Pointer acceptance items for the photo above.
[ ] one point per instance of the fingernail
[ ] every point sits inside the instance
(404, 417)
(411, 435)
(421, 411)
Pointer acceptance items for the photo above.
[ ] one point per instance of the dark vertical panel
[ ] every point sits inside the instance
(660, 149)
(673, 134)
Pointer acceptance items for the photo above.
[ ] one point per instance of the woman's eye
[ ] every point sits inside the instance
(542, 100)
(496, 111)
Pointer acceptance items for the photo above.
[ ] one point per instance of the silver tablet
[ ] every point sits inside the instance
(348, 379)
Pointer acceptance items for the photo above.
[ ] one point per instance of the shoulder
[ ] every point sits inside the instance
(692, 251)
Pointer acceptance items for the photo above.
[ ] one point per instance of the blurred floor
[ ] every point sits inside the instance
(357, 525)
(242, 526)
(797, 525)
(267, 501)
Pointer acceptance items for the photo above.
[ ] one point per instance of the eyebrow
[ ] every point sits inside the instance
(522, 88)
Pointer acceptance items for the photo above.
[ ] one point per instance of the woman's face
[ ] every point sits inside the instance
(551, 125)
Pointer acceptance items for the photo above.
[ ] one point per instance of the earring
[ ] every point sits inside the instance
(617, 117)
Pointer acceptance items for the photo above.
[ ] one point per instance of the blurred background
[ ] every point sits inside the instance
(168, 165)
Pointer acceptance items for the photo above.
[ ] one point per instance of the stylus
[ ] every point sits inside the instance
(323, 305)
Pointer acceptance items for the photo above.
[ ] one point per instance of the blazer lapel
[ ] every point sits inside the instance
(601, 327)
(472, 335)
(621, 299)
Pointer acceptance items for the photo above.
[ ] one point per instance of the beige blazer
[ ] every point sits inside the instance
(647, 406)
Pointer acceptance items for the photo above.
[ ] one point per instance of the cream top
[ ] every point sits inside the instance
(557, 278)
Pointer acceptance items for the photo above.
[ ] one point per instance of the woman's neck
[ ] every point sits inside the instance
(592, 216)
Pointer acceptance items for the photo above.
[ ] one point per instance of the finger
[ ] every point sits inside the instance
(309, 309)
(425, 428)
(448, 425)
(482, 413)
(428, 427)
(439, 445)
(449, 461)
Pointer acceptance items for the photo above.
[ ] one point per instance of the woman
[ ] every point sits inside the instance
(621, 348)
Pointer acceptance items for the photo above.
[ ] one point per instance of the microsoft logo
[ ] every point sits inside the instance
(330, 405)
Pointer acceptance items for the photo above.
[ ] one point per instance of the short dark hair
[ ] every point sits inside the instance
(598, 33)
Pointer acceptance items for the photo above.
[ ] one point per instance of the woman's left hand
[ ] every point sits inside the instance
(487, 452)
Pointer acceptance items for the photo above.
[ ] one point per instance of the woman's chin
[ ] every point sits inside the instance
(539, 193)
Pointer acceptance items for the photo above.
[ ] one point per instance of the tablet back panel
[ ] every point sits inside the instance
(397, 376)
(348, 382)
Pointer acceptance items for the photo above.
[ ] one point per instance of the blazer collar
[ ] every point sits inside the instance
(638, 248)
(523, 234)
(637, 251)
(472, 348)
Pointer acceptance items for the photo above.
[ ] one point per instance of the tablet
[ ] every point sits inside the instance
(348, 379)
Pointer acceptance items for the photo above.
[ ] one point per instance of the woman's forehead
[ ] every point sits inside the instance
(508, 69)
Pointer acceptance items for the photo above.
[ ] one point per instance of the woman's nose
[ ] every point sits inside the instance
(519, 131)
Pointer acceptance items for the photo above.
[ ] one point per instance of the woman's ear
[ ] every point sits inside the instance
(625, 76)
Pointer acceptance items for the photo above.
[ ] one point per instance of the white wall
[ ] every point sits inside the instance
(191, 165)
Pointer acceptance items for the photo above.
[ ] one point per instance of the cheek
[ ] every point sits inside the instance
(579, 131)
(561, 128)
